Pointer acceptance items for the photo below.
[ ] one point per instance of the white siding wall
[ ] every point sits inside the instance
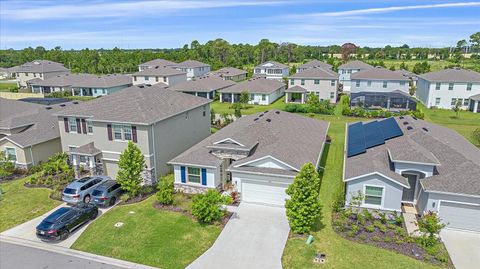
(170, 80)
(377, 86)
(256, 98)
(428, 94)
(213, 177)
(323, 90)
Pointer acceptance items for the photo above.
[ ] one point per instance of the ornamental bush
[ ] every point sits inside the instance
(166, 190)
(207, 208)
(130, 166)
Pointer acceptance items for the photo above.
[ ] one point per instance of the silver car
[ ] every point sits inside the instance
(81, 189)
(107, 193)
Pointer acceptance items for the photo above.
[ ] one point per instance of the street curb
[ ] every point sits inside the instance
(74, 253)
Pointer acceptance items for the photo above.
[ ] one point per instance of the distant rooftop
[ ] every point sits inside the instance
(41, 66)
(85, 80)
(255, 85)
(355, 65)
(271, 64)
(316, 72)
(315, 63)
(452, 75)
(378, 73)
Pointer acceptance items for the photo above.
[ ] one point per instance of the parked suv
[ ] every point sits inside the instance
(107, 193)
(81, 190)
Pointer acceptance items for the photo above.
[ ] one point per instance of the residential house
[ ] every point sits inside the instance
(38, 69)
(410, 163)
(271, 70)
(161, 122)
(29, 132)
(443, 89)
(159, 74)
(345, 70)
(410, 75)
(394, 101)
(262, 91)
(8, 72)
(82, 84)
(155, 63)
(321, 82)
(230, 73)
(257, 155)
(206, 86)
(193, 68)
(314, 64)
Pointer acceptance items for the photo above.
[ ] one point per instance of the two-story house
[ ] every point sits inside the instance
(155, 63)
(271, 70)
(403, 162)
(230, 73)
(161, 122)
(313, 64)
(345, 70)
(82, 84)
(159, 74)
(193, 68)
(444, 88)
(38, 70)
(321, 82)
(206, 86)
(262, 91)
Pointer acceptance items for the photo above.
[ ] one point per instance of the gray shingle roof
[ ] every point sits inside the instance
(315, 63)
(452, 75)
(41, 66)
(378, 73)
(228, 72)
(355, 65)
(290, 138)
(271, 64)
(159, 71)
(475, 97)
(139, 104)
(87, 149)
(191, 64)
(159, 62)
(296, 88)
(85, 80)
(256, 85)
(202, 84)
(316, 73)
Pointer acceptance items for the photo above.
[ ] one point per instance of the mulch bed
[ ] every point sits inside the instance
(187, 213)
(138, 198)
(12, 177)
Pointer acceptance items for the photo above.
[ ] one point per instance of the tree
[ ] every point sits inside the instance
(347, 50)
(392, 68)
(456, 107)
(237, 112)
(403, 66)
(412, 90)
(130, 166)
(207, 207)
(166, 190)
(303, 207)
(475, 41)
(420, 68)
(244, 98)
(6, 166)
(313, 102)
(429, 224)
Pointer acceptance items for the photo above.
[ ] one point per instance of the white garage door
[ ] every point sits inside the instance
(264, 192)
(460, 216)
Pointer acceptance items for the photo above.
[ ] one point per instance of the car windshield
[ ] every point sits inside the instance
(70, 191)
(55, 215)
(46, 225)
(97, 193)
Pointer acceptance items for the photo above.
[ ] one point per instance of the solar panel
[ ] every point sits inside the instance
(356, 139)
(390, 128)
(373, 134)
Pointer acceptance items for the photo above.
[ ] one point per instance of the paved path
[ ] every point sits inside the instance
(254, 238)
(463, 247)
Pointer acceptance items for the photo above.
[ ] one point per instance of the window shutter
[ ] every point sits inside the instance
(109, 130)
(79, 130)
(134, 134)
(204, 177)
(65, 121)
(182, 172)
(84, 126)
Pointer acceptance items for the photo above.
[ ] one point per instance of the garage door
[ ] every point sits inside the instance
(110, 168)
(264, 192)
(460, 216)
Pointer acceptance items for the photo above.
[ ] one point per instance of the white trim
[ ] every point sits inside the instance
(375, 173)
(31, 155)
(411, 162)
(189, 164)
(266, 157)
(229, 139)
(382, 202)
(119, 153)
(451, 193)
(264, 181)
(258, 173)
(15, 150)
(453, 202)
(13, 142)
(109, 159)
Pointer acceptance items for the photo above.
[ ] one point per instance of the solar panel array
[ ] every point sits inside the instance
(362, 136)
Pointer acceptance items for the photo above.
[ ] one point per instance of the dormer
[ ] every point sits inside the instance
(229, 148)
(268, 162)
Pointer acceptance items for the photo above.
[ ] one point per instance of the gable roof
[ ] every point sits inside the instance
(475, 97)
(452, 75)
(85, 80)
(296, 88)
(202, 84)
(191, 64)
(41, 66)
(316, 72)
(228, 72)
(271, 64)
(378, 73)
(355, 65)
(315, 63)
(139, 104)
(255, 85)
(159, 71)
(159, 62)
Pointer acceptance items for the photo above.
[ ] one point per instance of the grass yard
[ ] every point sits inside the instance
(149, 236)
(20, 204)
(220, 108)
(6, 87)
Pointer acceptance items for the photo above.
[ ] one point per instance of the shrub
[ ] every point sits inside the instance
(207, 207)
(367, 214)
(362, 237)
(376, 238)
(476, 136)
(355, 228)
(430, 226)
(7, 167)
(370, 228)
(338, 202)
(380, 226)
(400, 231)
(361, 219)
(387, 239)
(383, 217)
(131, 164)
(398, 218)
(351, 234)
(166, 190)
(125, 197)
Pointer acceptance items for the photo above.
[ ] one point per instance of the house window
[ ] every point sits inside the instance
(357, 83)
(344, 71)
(450, 86)
(465, 102)
(437, 86)
(89, 127)
(469, 86)
(373, 195)
(117, 131)
(156, 79)
(134, 78)
(302, 82)
(72, 125)
(402, 83)
(122, 132)
(257, 70)
(164, 79)
(11, 154)
(437, 101)
(332, 95)
(264, 97)
(454, 101)
(385, 84)
(332, 82)
(252, 96)
(193, 174)
(204, 110)
(127, 132)
(187, 116)
(34, 75)
(316, 81)
(292, 82)
(349, 71)
(369, 83)
(147, 78)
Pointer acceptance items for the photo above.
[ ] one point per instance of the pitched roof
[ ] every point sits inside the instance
(355, 65)
(159, 62)
(255, 85)
(159, 71)
(85, 80)
(290, 138)
(87, 149)
(191, 64)
(139, 104)
(202, 84)
(41, 66)
(271, 64)
(475, 97)
(315, 63)
(296, 88)
(452, 75)
(378, 73)
(316, 72)
(228, 71)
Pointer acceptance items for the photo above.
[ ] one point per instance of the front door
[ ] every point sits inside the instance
(409, 194)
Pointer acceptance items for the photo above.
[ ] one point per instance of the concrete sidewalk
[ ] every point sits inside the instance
(463, 247)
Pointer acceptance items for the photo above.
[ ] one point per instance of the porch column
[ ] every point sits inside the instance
(76, 167)
(388, 104)
(408, 101)
(475, 106)
(73, 92)
(303, 98)
(233, 98)
(286, 97)
(91, 165)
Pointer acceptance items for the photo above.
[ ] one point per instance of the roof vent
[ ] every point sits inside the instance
(425, 129)
(261, 115)
(268, 120)
(415, 118)
(401, 117)
(277, 112)
(48, 108)
(266, 111)
(76, 103)
(409, 128)
(141, 86)
(62, 105)
(405, 122)
(255, 119)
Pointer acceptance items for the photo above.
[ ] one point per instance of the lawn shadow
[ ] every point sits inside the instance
(319, 225)
(323, 162)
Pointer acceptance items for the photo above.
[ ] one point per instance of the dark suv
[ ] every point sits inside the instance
(107, 193)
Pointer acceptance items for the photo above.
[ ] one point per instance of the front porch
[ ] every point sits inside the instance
(86, 157)
(295, 94)
(474, 104)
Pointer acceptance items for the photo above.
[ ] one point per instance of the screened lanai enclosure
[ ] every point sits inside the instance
(392, 101)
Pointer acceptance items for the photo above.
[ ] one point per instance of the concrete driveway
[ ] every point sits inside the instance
(27, 230)
(254, 237)
(463, 247)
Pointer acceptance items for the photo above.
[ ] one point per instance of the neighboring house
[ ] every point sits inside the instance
(404, 161)
(161, 122)
(410, 75)
(6, 73)
(258, 155)
(262, 91)
(321, 82)
(312, 64)
(230, 73)
(345, 71)
(159, 74)
(395, 101)
(193, 68)
(444, 88)
(271, 70)
(38, 69)
(155, 63)
(82, 84)
(29, 132)
(206, 86)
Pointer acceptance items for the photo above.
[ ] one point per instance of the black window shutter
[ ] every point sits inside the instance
(134, 134)
(84, 126)
(109, 130)
(65, 121)
(79, 127)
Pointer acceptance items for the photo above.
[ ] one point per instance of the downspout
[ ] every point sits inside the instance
(154, 151)
(31, 156)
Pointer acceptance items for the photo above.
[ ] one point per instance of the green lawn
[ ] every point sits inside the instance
(149, 236)
(220, 108)
(20, 204)
(5, 87)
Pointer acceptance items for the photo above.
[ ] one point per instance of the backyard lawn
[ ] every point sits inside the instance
(5, 87)
(220, 108)
(20, 204)
(149, 236)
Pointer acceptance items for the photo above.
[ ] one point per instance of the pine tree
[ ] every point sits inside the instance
(131, 164)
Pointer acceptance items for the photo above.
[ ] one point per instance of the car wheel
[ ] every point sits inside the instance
(65, 235)
(86, 199)
(112, 201)
(94, 215)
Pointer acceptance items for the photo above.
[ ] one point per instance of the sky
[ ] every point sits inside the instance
(173, 23)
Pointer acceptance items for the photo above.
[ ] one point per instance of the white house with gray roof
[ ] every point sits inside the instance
(230, 73)
(154, 63)
(38, 70)
(262, 91)
(193, 68)
(444, 88)
(313, 64)
(319, 81)
(206, 86)
(378, 79)
(345, 71)
(271, 70)
(257, 155)
(159, 74)
(161, 122)
(407, 162)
